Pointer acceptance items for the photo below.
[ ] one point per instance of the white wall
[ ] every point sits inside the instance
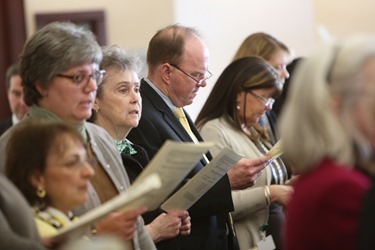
(225, 24)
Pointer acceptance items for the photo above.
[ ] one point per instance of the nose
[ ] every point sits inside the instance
(285, 74)
(91, 85)
(202, 84)
(136, 96)
(88, 171)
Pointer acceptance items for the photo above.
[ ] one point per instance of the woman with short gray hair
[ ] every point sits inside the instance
(60, 73)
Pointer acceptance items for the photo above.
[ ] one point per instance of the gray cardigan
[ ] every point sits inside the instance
(17, 227)
(106, 153)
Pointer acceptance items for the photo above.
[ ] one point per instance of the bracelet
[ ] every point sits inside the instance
(267, 194)
(93, 230)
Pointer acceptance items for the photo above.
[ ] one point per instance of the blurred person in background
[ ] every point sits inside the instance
(15, 96)
(53, 173)
(328, 128)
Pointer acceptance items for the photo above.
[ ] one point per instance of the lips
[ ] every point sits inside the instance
(84, 187)
(134, 112)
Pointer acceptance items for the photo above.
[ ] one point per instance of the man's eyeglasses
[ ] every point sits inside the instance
(84, 79)
(206, 76)
(267, 102)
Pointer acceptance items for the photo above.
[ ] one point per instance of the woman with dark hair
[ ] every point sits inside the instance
(53, 173)
(243, 93)
(277, 54)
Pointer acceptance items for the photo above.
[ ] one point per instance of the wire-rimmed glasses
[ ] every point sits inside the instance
(267, 102)
(207, 75)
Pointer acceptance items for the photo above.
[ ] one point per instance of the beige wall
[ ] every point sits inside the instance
(345, 17)
(129, 22)
(224, 24)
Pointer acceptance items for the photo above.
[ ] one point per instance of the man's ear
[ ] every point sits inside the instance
(165, 72)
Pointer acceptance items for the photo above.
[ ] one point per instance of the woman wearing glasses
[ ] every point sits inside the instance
(278, 55)
(243, 93)
(60, 74)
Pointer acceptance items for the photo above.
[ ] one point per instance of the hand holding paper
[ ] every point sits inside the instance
(123, 202)
(276, 151)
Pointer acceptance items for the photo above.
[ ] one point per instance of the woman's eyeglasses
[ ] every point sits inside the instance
(84, 79)
(267, 102)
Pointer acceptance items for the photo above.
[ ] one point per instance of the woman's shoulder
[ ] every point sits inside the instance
(219, 123)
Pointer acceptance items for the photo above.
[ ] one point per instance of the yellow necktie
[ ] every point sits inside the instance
(179, 113)
(184, 122)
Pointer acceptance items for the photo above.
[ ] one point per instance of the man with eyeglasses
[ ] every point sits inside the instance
(177, 61)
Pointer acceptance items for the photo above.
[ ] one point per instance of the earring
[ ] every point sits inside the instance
(238, 107)
(41, 192)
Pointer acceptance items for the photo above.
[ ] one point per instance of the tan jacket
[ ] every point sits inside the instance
(251, 209)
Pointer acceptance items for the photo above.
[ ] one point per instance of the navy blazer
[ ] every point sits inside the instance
(4, 125)
(209, 213)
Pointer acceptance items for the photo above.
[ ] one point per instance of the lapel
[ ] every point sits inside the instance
(165, 112)
(168, 116)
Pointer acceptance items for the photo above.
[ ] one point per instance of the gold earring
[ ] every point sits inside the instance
(41, 192)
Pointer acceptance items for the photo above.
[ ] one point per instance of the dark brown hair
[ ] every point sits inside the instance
(13, 70)
(245, 74)
(28, 147)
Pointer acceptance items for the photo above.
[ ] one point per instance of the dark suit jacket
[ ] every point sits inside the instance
(209, 213)
(4, 125)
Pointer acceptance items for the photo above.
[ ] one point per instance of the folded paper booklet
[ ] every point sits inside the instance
(157, 181)
(195, 188)
(275, 151)
(125, 201)
(172, 163)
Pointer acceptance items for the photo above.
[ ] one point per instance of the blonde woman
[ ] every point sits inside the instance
(327, 130)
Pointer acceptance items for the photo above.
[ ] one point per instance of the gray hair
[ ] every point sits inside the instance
(52, 50)
(115, 57)
(311, 127)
